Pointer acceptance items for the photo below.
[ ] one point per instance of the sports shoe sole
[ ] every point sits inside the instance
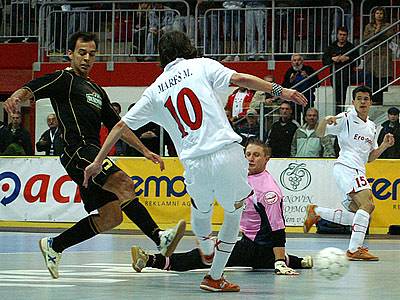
(142, 264)
(45, 258)
(211, 289)
(180, 231)
(362, 259)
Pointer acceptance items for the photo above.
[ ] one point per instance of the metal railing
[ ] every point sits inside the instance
(19, 19)
(123, 31)
(126, 29)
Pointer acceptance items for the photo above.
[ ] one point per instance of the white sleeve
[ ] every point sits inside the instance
(140, 114)
(218, 75)
(340, 124)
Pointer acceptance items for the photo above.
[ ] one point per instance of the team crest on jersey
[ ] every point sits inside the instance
(94, 99)
(270, 198)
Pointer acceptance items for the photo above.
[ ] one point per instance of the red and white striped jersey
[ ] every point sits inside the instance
(185, 100)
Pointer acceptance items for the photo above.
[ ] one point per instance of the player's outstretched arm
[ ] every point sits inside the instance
(255, 83)
(328, 120)
(388, 141)
(13, 103)
(131, 139)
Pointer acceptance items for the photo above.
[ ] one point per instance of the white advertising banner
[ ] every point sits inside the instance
(38, 189)
(304, 181)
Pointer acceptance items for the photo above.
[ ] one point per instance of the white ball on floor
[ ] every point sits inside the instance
(331, 263)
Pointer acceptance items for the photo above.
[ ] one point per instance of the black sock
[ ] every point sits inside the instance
(139, 215)
(157, 261)
(81, 231)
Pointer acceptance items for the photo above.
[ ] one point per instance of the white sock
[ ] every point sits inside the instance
(227, 238)
(338, 215)
(359, 228)
(201, 227)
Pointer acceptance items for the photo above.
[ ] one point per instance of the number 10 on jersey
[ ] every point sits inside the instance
(182, 112)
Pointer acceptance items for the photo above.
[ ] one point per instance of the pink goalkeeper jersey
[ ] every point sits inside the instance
(185, 100)
(269, 195)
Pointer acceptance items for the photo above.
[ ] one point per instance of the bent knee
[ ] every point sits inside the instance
(122, 185)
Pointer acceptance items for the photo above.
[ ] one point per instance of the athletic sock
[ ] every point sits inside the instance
(338, 215)
(201, 227)
(81, 231)
(139, 215)
(226, 241)
(359, 228)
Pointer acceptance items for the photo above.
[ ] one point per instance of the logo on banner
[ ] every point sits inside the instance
(36, 188)
(295, 177)
(5, 179)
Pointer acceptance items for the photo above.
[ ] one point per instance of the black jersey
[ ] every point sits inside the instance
(80, 105)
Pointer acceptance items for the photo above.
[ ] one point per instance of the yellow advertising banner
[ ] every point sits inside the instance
(163, 193)
(384, 178)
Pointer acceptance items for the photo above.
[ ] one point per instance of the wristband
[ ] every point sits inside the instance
(276, 89)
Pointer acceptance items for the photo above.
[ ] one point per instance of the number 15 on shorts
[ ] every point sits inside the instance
(361, 183)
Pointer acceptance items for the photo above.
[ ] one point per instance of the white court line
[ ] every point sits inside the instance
(36, 285)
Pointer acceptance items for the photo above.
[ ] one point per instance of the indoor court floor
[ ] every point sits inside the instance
(100, 269)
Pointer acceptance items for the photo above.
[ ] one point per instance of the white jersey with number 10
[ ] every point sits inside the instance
(185, 100)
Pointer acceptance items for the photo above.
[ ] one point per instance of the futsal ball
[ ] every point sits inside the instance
(331, 263)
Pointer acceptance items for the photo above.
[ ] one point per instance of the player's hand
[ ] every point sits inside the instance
(282, 269)
(91, 170)
(12, 105)
(295, 96)
(155, 158)
(388, 140)
(332, 120)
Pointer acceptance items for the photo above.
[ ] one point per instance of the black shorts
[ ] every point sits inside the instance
(94, 196)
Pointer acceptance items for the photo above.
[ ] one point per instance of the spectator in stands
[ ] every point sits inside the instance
(239, 102)
(51, 141)
(21, 136)
(255, 22)
(392, 126)
(306, 143)
(232, 30)
(299, 72)
(6, 137)
(281, 134)
(249, 127)
(335, 55)
(378, 63)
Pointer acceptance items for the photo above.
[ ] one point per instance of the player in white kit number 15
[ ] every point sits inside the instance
(185, 100)
(357, 138)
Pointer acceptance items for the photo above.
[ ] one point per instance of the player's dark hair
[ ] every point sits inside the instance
(173, 45)
(343, 29)
(116, 104)
(363, 89)
(260, 143)
(84, 36)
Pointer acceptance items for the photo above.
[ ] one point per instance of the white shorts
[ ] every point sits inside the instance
(349, 180)
(221, 175)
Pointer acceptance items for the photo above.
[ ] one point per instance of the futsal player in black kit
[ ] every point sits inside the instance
(81, 106)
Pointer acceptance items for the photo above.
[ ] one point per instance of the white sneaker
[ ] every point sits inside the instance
(307, 262)
(170, 238)
(51, 257)
(139, 258)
